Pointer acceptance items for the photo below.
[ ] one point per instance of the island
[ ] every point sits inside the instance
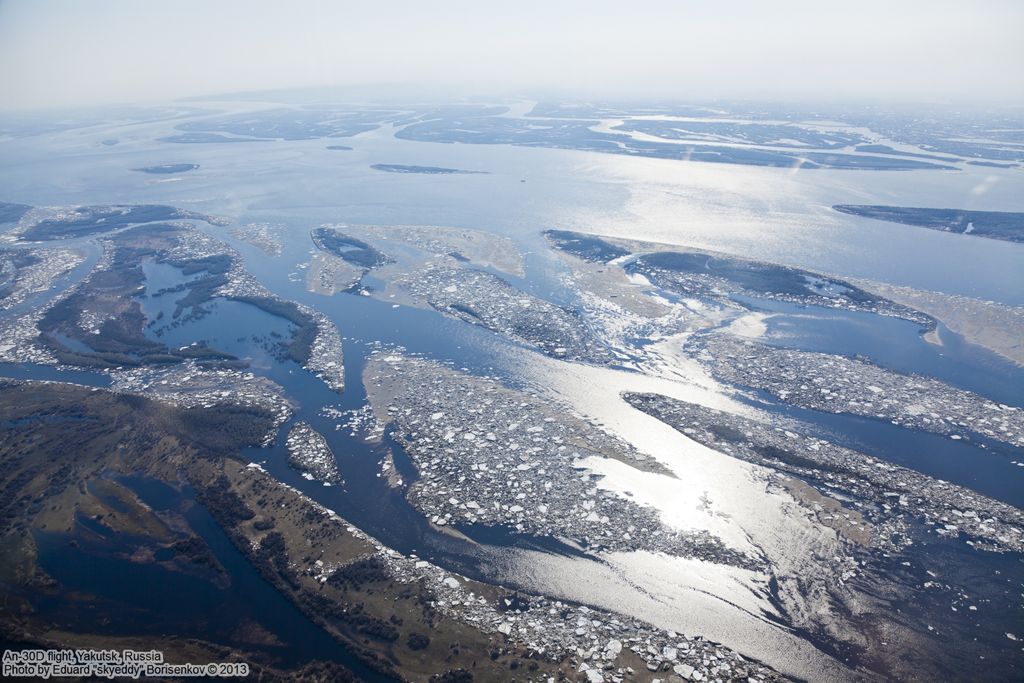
(428, 170)
(167, 169)
(996, 225)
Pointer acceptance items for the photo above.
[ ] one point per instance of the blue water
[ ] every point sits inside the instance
(979, 464)
(365, 499)
(92, 255)
(73, 344)
(49, 373)
(891, 343)
(240, 329)
(188, 605)
(300, 185)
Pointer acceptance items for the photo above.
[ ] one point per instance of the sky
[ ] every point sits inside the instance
(78, 52)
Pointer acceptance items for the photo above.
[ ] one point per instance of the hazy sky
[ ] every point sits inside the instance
(84, 52)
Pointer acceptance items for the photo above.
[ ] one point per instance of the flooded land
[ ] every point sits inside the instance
(618, 394)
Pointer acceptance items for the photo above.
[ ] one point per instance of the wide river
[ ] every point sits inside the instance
(772, 214)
